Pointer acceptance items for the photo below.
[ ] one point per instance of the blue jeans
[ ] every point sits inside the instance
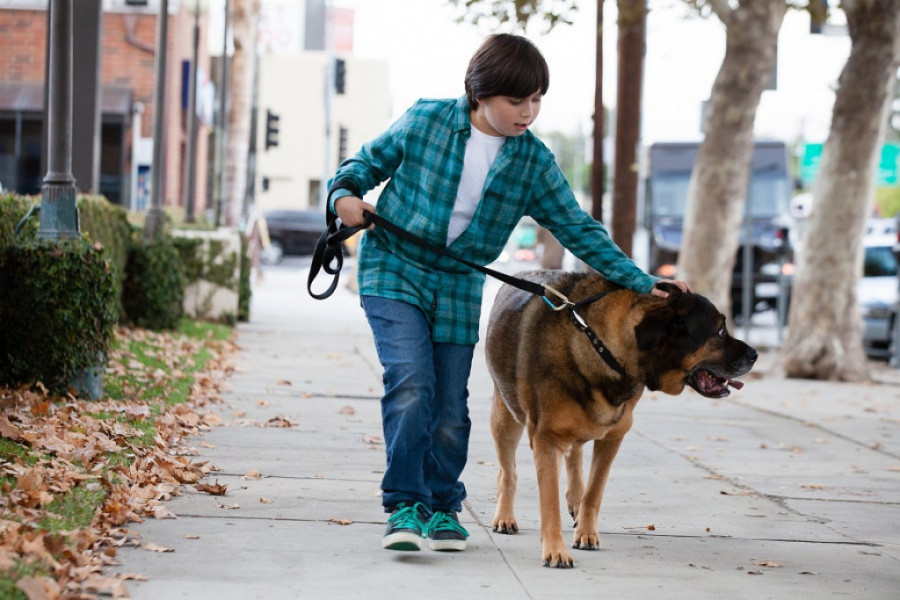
(424, 410)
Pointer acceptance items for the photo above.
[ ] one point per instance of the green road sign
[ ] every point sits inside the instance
(887, 166)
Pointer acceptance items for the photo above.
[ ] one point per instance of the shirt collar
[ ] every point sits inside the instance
(462, 115)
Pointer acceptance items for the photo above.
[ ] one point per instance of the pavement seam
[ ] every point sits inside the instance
(500, 552)
(812, 425)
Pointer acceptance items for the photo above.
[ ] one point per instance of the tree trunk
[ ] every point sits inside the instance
(632, 30)
(825, 339)
(240, 94)
(721, 173)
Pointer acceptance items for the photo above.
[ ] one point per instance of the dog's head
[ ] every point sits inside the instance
(683, 341)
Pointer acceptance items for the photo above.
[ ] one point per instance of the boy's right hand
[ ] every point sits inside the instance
(350, 210)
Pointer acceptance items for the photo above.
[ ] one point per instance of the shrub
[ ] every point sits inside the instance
(57, 311)
(153, 294)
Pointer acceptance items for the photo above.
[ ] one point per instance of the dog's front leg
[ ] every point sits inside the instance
(587, 535)
(547, 457)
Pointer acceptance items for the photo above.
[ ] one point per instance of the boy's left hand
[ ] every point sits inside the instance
(681, 285)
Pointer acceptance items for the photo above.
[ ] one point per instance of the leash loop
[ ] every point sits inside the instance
(564, 302)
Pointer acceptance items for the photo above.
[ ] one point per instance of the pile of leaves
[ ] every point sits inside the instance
(74, 473)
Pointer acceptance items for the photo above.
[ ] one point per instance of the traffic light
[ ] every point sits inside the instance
(340, 75)
(271, 129)
(342, 144)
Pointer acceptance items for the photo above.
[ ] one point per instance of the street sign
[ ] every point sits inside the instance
(887, 164)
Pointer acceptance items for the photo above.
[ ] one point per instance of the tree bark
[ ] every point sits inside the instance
(241, 96)
(825, 339)
(632, 33)
(718, 185)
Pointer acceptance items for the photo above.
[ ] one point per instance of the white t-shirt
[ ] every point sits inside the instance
(481, 152)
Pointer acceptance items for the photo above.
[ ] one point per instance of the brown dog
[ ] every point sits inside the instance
(550, 377)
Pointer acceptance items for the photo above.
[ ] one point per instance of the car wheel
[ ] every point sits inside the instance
(272, 254)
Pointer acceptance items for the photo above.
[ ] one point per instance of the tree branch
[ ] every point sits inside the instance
(722, 10)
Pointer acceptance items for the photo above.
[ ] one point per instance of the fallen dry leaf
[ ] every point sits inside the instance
(252, 474)
(348, 410)
(156, 548)
(768, 563)
(215, 489)
(372, 439)
(229, 506)
(340, 521)
(278, 422)
(283, 382)
(265, 501)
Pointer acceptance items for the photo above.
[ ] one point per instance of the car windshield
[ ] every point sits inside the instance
(767, 195)
(879, 262)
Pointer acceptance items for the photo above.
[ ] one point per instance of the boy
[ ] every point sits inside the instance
(462, 173)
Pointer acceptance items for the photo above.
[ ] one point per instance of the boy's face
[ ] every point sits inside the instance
(503, 115)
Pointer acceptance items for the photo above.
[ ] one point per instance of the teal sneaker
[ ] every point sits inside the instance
(445, 533)
(406, 527)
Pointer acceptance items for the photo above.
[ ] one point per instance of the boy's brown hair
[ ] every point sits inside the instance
(506, 65)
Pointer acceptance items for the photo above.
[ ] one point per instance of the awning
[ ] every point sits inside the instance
(29, 97)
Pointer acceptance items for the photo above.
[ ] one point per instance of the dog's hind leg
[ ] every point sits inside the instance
(507, 433)
(574, 479)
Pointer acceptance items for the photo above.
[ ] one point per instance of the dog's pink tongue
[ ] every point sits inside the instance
(735, 384)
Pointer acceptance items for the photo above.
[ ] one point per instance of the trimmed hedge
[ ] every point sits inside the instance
(154, 285)
(57, 311)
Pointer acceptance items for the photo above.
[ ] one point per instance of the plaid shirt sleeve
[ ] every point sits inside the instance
(422, 156)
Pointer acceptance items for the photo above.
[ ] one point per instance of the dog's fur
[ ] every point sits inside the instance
(549, 379)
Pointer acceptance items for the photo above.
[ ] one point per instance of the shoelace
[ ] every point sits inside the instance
(442, 521)
(408, 517)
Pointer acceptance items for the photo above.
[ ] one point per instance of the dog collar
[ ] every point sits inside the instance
(601, 348)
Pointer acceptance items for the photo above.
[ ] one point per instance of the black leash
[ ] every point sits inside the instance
(329, 257)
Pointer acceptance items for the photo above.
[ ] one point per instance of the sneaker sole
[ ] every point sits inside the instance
(402, 540)
(447, 545)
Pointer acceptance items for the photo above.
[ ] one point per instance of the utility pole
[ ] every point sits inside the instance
(59, 211)
(597, 169)
(190, 159)
(223, 118)
(630, 73)
(153, 221)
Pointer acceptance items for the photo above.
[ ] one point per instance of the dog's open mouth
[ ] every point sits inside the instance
(711, 385)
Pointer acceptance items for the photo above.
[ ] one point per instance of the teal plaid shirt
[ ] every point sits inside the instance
(422, 155)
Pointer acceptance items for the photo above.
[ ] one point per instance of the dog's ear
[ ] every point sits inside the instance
(656, 326)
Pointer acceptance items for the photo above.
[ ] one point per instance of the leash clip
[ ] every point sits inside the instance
(565, 301)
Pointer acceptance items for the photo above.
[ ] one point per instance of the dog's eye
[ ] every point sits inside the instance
(722, 332)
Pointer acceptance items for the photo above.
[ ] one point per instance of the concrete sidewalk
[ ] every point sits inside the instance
(787, 489)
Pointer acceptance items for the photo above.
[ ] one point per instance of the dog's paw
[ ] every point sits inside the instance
(586, 541)
(506, 526)
(557, 557)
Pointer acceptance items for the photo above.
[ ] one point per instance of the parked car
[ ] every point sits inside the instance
(292, 232)
(878, 291)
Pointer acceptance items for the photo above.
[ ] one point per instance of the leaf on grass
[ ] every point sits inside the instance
(215, 489)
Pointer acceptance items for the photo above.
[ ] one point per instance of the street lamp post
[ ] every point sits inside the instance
(154, 218)
(59, 212)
